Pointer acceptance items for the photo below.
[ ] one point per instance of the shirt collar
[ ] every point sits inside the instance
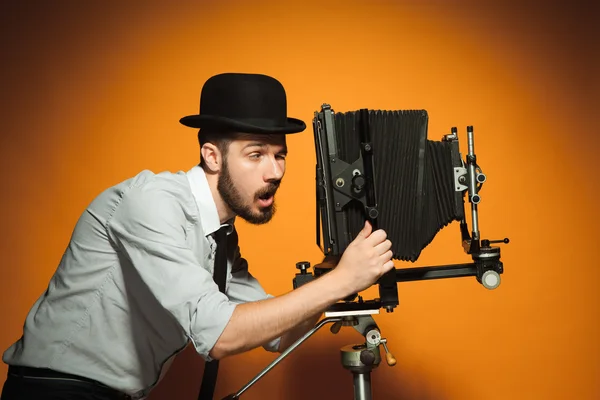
(209, 216)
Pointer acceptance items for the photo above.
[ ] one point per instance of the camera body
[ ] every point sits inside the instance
(380, 166)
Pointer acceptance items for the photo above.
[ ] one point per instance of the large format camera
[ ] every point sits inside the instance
(380, 166)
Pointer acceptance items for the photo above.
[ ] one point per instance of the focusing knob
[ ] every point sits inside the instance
(490, 280)
(372, 212)
(358, 182)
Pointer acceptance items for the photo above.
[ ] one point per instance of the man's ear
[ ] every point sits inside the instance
(212, 157)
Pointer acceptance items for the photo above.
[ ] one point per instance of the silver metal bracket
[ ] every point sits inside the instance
(350, 313)
(460, 179)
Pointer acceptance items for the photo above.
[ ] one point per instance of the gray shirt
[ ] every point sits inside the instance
(135, 285)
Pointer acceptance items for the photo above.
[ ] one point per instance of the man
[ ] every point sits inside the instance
(135, 285)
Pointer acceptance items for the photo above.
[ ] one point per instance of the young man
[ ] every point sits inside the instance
(135, 285)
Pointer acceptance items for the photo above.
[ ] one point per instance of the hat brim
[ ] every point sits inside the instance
(292, 125)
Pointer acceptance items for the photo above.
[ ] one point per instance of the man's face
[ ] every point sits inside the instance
(251, 174)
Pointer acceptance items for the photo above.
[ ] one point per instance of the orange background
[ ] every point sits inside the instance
(92, 93)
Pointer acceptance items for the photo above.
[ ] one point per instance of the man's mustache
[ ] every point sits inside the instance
(269, 190)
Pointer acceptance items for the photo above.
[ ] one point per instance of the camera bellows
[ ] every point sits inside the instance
(413, 177)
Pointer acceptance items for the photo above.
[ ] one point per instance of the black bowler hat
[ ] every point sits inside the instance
(248, 103)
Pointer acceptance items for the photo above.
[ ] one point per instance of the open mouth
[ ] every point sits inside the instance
(266, 199)
(265, 202)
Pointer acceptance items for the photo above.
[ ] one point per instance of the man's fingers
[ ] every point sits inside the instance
(365, 231)
(387, 255)
(383, 246)
(388, 266)
(377, 237)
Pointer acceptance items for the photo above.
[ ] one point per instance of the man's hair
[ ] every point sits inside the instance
(220, 139)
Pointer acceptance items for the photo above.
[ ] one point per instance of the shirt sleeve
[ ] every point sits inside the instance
(149, 229)
(243, 287)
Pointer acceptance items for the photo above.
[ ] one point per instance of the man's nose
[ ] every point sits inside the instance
(274, 170)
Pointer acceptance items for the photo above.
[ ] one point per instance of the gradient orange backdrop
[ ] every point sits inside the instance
(92, 93)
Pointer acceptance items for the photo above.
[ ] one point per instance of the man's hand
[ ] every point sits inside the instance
(365, 260)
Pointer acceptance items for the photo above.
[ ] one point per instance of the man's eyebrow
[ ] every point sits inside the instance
(255, 144)
(284, 150)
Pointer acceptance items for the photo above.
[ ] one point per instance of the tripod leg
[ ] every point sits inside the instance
(362, 385)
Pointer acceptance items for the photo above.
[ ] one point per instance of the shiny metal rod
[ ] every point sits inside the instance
(285, 354)
(362, 386)
(472, 173)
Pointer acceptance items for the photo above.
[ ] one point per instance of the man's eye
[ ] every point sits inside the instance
(281, 156)
(254, 156)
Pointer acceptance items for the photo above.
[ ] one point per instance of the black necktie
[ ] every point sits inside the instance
(211, 368)
(220, 271)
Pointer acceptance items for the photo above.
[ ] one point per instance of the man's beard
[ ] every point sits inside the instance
(235, 201)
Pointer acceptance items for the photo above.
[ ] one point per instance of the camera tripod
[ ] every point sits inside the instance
(359, 359)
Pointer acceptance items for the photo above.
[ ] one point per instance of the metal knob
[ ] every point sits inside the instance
(358, 183)
(367, 357)
(303, 266)
(490, 279)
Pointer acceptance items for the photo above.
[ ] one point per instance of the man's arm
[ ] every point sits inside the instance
(244, 288)
(255, 323)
